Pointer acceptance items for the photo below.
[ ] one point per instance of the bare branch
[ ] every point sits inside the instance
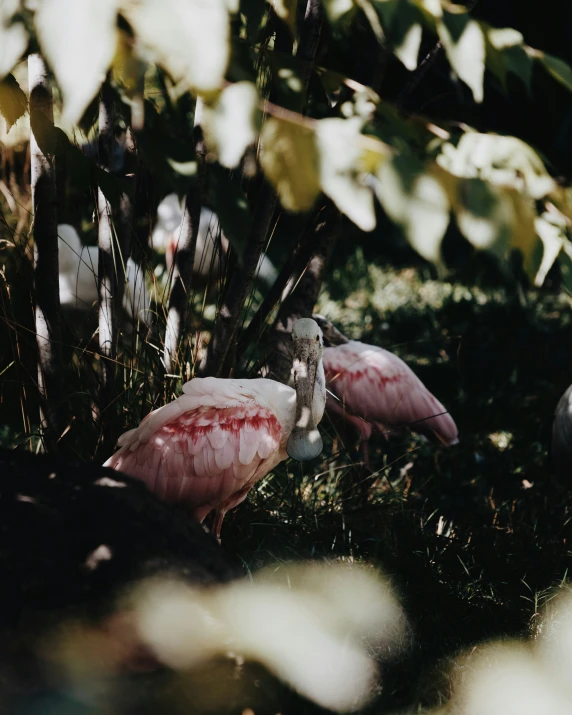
(226, 326)
(47, 309)
(295, 265)
(107, 279)
(300, 303)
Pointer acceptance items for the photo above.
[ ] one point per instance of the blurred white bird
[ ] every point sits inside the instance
(78, 277)
(210, 255)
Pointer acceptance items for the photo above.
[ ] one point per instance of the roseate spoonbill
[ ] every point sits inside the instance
(78, 276)
(209, 255)
(372, 388)
(207, 448)
(561, 451)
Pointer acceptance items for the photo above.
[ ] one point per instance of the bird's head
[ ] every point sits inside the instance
(305, 441)
(332, 336)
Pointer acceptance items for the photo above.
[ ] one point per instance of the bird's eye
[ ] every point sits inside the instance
(318, 338)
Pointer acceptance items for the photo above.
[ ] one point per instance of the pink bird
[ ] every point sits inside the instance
(373, 389)
(208, 448)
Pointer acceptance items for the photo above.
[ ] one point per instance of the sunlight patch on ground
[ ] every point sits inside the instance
(501, 440)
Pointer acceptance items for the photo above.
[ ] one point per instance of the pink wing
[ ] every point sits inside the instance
(205, 457)
(375, 385)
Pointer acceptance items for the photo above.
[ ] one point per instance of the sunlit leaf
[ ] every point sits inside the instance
(464, 44)
(13, 37)
(78, 40)
(501, 38)
(408, 50)
(289, 158)
(552, 237)
(506, 54)
(185, 168)
(188, 38)
(402, 24)
(338, 8)
(286, 10)
(231, 124)
(417, 201)
(559, 69)
(433, 7)
(341, 172)
(13, 101)
(483, 216)
(502, 160)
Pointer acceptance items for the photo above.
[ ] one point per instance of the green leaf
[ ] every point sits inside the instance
(13, 101)
(341, 172)
(559, 69)
(498, 220)
(402, 23)
(417, 201)
(506, 54)
(289, 158)
(464, 44)
(78, 39)
(484, 216)
(188, 38)
(231, 123)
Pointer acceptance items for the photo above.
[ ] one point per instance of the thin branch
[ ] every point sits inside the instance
(47, 308)
(107, 278)
(300, 303)
(184, 257)
(226, 326)
(292, 269)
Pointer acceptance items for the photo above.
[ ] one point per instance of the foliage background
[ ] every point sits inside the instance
(476, 537)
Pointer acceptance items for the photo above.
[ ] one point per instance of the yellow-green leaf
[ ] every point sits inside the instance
(231, 124)
(464, 44)
(289, 158)
(417, 201)
(502, 160)
(340, 150)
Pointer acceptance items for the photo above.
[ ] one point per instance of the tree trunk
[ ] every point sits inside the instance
(300, 303)
(226, 326)
(107, 279)
(310, 34)
(47, 308)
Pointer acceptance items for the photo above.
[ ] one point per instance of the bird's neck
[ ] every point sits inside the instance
(319, 399)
